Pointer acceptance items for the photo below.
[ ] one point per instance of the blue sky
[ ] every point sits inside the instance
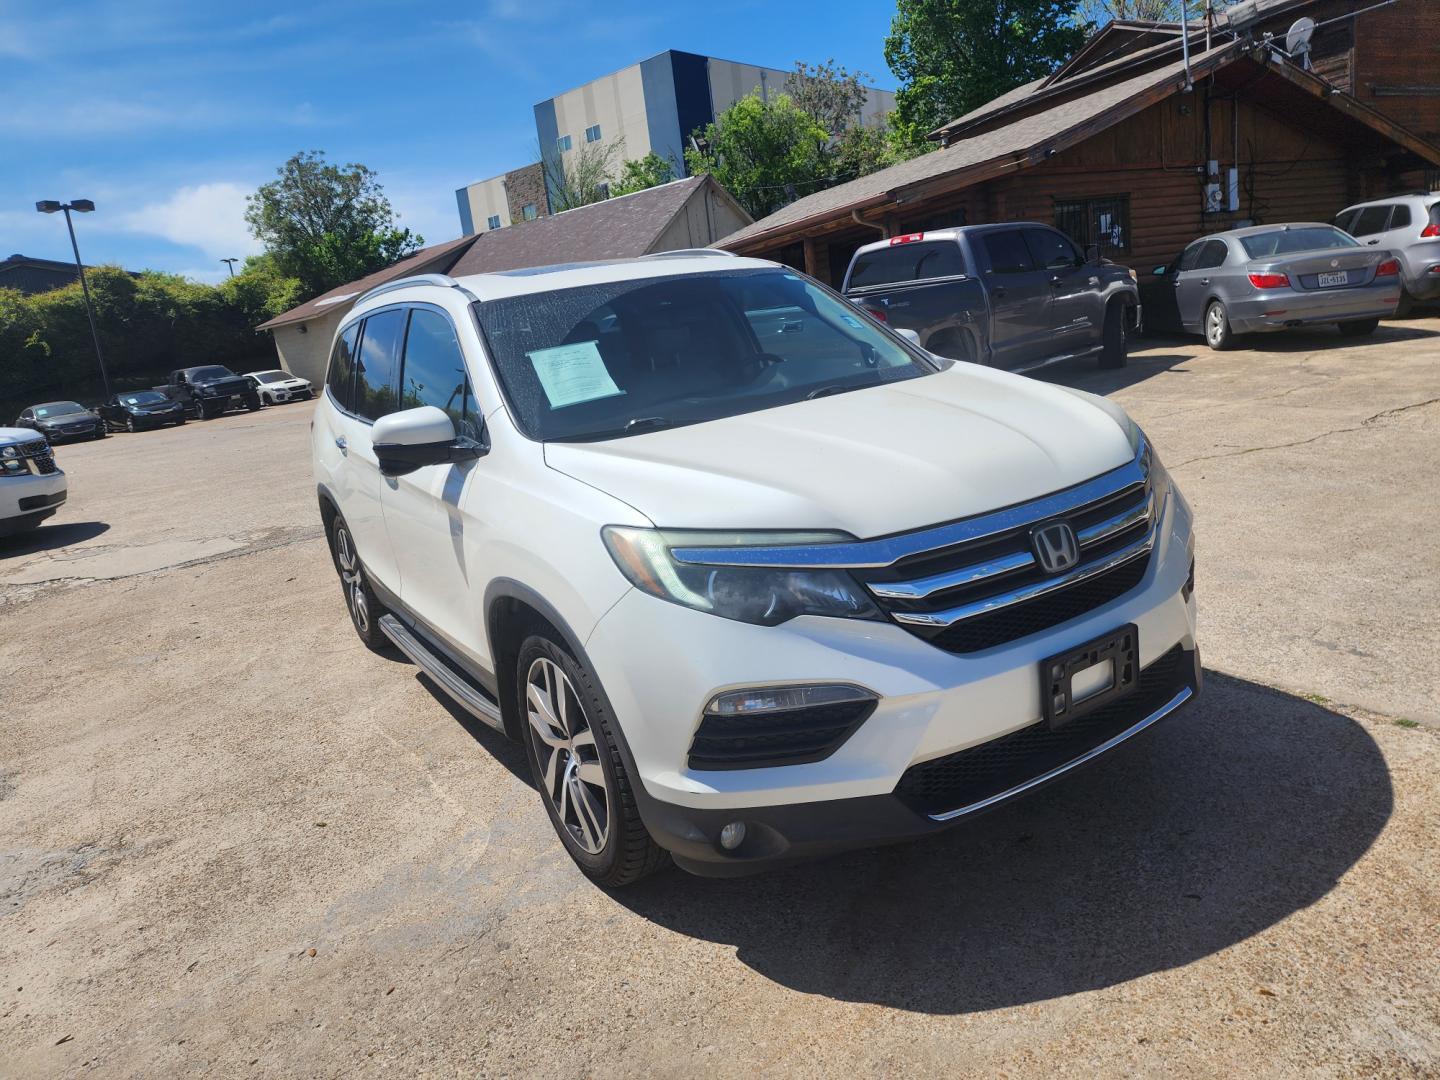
(167, 115)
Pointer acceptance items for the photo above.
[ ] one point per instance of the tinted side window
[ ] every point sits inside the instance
(378, 364)
(1008, 253)
(1345, 220)
(434, 372)
(1400, 216)
(1212, 254)
(340, 378)
(1370, 221)
(907, 262)
(1051, 250)
(1190, 258)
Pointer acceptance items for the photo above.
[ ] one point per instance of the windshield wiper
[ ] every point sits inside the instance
(834, 388)
(646, 423)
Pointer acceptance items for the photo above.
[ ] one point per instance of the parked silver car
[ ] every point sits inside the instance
(1408, 225)
(1270, 277)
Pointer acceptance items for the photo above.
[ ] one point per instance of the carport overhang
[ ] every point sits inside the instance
(1265, 81)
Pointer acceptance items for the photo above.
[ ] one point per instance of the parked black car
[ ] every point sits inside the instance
(136, 410)
(210, 390)
(1019, 295)
(61, 421)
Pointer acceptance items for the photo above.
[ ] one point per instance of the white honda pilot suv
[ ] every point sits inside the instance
(753, 578)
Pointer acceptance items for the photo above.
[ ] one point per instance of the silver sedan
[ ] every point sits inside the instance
(1270, 277)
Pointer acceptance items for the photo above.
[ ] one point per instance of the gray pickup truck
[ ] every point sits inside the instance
(1018, 295)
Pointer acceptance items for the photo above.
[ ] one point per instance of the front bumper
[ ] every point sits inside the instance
(1284, 308)
(29, 499)
(660, 663)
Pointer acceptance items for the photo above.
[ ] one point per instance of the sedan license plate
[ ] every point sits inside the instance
(1076, 682)
(1329, 281)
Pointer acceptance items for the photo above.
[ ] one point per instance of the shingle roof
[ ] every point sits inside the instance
(438, 258)
(620, 228)
(1013, 141)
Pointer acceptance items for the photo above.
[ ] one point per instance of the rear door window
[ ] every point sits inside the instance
(1370, 220)
(378, 364)
(1007, 252)
(340, 379)
(1190, 257)
(907, 262)
(1212, 255)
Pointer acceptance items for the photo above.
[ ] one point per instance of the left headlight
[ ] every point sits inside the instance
(764, 596)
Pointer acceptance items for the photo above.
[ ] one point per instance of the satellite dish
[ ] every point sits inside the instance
(1297, 41)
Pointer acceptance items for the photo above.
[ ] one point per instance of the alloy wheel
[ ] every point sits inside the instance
(353, 579)
(564, 745)
(1215, 323)
(130, 425)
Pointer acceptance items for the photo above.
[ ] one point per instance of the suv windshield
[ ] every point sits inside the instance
(58, 408)
(603, 361)
(214, 372)
(1288, 241)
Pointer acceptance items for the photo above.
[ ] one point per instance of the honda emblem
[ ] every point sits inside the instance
(1055, 547)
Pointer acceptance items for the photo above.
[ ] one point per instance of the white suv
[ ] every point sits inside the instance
(1407, 226)
(752, 577)
(32, 486)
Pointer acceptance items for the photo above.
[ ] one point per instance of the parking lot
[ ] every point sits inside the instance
(234, 841)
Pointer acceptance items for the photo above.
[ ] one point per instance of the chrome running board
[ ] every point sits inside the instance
(455, 685)
(1184, 695)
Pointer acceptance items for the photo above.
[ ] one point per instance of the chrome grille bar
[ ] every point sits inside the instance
(920, 588)
(1019, 595)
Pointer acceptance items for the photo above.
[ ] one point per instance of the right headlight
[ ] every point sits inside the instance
(764, 596)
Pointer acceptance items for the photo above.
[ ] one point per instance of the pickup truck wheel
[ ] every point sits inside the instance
(1218, 334)
(579, 772)
(1114, 348)
(1359, 328)
(252, 404)
(360, 600)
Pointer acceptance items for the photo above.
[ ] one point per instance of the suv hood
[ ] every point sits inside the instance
(871, 462)
(9, 436)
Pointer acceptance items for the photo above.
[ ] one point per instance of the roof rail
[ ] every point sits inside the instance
(442, 281)
(691, 253)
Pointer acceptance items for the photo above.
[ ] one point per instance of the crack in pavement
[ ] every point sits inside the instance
(1313, 438)
(58, 568)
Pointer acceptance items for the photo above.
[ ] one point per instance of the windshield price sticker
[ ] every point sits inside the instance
(573, 374)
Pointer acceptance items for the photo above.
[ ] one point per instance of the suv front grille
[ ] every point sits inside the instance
(991, 590)
(970, 776)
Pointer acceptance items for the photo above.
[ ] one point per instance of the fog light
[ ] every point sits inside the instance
(732, 835)
(784, 699)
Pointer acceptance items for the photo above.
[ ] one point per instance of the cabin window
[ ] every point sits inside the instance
(1104, 221)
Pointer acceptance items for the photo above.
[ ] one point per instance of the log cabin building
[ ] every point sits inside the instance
(1135, 147)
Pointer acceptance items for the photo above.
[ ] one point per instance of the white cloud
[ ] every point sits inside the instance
(210, 217)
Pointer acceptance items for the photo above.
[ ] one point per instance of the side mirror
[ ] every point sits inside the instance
(412, 439)
(1160, 271)
(909, 335)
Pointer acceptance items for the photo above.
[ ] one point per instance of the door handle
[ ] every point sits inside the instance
(1372, 243)
(340, 443)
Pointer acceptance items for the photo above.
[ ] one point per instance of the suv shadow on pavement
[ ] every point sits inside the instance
(1226, 820)
(49, 537)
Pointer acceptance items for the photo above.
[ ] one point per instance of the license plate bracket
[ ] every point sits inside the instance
(1120, 648)
(1332, 281)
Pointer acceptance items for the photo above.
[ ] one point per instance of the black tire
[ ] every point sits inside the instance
(1406, 307)
(180, 422)
(1114, 346)
(360, 601)
(1359, 328)
(1216, 327)
(627, 853)
(252, 404)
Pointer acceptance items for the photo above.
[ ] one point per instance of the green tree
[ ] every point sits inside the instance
(1099, 12)
(952, 56)
(831, 94)
(766, 154)
(580, 176)
(327, 224)
(637, 174)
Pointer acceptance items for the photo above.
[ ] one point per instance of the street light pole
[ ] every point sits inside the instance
(230, 264)
(83, 206)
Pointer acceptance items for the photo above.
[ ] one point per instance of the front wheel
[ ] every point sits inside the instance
(1114, 347)
(1359, 328)
(360, 600)
(130, 424)
(1218, 334)
(580, 774)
